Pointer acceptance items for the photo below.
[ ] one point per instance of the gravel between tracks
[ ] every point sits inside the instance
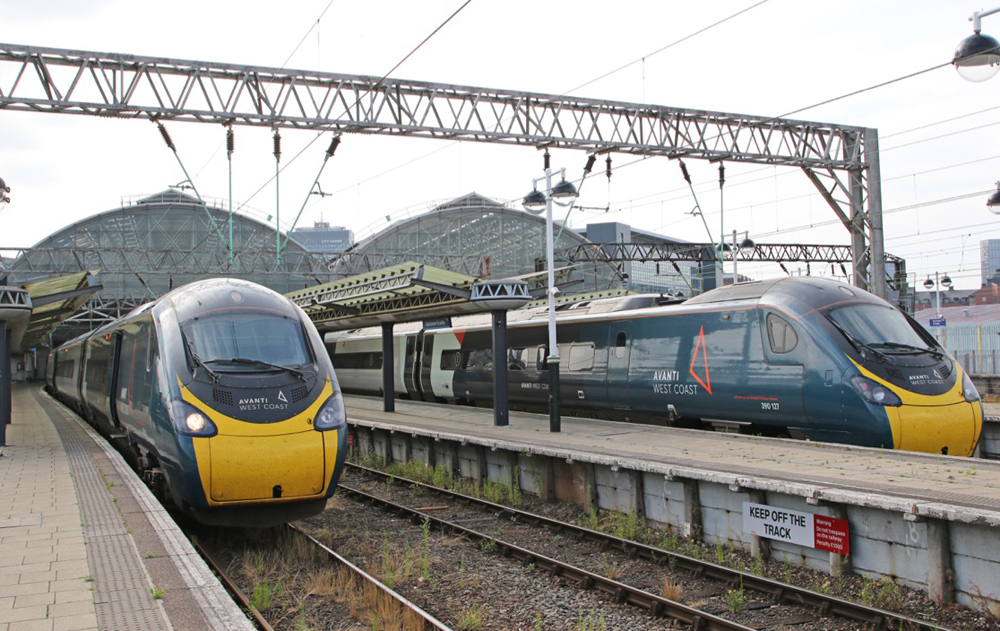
(470, 588)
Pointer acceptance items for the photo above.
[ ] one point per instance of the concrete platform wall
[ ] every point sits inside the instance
(951, 554)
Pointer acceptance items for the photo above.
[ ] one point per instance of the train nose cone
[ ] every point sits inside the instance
(945, 429)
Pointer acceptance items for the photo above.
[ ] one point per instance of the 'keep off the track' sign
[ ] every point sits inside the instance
(805, 529)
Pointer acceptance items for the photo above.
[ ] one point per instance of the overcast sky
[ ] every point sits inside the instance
(939, 133)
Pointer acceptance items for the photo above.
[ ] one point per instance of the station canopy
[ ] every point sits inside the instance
(404, 293)
(53, 301)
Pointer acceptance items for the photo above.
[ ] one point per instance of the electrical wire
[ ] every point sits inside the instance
(655, 52)
(668, 46)
(374, 87)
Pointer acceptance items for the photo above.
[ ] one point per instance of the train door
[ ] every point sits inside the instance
(116, 348)
(619, 356)
(782, 394)
(426, 365)
(411, 365)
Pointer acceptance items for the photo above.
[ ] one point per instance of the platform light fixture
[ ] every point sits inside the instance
(993, 203)
(936, 286)
(977, 57)
(746, 245)
(4, 189)
(534, 202)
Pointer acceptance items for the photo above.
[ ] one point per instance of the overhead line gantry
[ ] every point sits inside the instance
(841, 161)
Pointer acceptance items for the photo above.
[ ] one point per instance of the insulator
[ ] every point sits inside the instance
(333, 146)
(166, 137)
(722, 174)
(547, 159)
(230, 140)
(684, 170)
(277, 145)
(843, 269)
(607, 169)
(784, 269)
(590, 164)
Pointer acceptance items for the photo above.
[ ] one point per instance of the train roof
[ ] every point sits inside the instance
(742, 291)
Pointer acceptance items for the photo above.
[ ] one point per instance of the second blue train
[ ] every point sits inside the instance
(805, 358)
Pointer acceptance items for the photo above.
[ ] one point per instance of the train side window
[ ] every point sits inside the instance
(345, 360)
(780, 334)
(451, 360)
(581, 357)
(541, 354)
(150, 348)
(620, 341)
(517, 359)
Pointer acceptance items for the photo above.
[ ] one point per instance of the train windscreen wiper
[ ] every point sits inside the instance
(858, 345)
(198, 360)
(915, 349)
(259, 362)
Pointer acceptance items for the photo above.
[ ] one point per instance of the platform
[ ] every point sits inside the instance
(84, 544)
(926, 520)
(827, 469)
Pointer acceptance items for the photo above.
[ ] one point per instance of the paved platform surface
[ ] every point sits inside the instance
(962, 489)
(83, 544)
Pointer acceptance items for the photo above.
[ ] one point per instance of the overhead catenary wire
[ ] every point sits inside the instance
(374, 87)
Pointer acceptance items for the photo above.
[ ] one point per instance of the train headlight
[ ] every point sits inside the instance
(969, 389)
(190, 421)
(874, 392)
(332, 415)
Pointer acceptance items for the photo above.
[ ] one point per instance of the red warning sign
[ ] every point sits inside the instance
(831, 535)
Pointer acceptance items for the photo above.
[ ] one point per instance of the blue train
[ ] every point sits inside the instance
(800, 357)
(221, 395)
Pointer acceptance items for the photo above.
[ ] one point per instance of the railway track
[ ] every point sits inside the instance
(810, 609)
(381, 597)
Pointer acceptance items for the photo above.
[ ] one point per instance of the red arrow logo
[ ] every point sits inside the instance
(700, 346)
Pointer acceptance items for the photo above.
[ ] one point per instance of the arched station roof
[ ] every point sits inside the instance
(472, 235)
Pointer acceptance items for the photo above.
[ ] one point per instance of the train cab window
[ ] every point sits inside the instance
(581, 357)
(780, 334)
(249, 335)
(620, 341)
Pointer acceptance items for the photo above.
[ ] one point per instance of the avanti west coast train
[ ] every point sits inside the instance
(796, 357)
(221, 395)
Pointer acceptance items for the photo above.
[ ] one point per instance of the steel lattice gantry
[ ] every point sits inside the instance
(761, 252)
(841, 161)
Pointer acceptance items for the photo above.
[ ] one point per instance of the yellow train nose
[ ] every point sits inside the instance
(952, 429)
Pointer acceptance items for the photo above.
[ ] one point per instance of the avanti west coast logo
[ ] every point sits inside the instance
(251, 404)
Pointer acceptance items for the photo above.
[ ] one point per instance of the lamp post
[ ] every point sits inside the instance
(977, 57)
(936, 285)
(745, 245)
(534, 202)
(4, 189)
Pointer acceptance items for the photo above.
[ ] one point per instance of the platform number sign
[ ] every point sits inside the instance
(805, 529)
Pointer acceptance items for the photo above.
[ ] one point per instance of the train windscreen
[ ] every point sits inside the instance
(248, 336)
(876, 324)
